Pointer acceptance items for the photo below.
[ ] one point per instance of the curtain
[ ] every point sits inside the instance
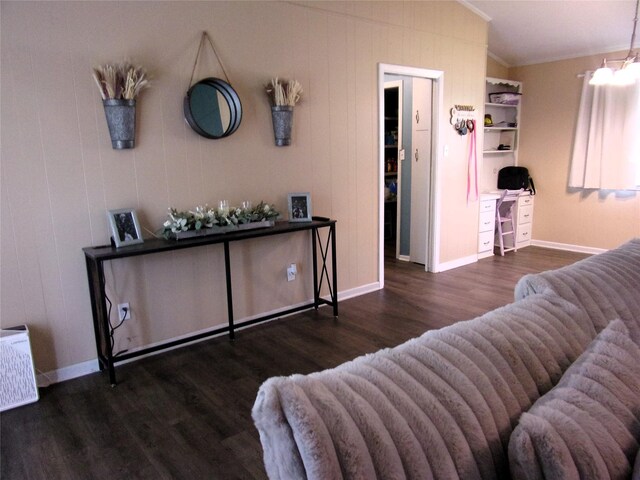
(606, 149)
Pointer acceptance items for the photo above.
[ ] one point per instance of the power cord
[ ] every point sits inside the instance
(112, 329)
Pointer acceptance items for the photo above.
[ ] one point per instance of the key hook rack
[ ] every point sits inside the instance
(463, 118)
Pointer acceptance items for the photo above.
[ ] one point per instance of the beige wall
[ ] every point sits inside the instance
(548, 118)
(496, 69)
(60, 175)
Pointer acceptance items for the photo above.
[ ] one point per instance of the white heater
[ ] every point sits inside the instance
(17, 373)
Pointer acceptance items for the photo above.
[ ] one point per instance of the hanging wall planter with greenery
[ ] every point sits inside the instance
(283, 94)
(119, 85)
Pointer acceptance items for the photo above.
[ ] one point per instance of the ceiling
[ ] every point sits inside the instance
(525, 32)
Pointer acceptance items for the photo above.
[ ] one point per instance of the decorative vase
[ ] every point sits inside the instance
(121, 120)
(282, 116)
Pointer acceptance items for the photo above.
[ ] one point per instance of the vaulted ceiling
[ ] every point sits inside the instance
(524, 32)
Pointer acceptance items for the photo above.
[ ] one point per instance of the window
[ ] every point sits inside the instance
(606, 150)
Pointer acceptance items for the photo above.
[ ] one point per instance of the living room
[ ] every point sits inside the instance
(60, 174)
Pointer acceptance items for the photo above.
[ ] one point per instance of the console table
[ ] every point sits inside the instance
(96, 256)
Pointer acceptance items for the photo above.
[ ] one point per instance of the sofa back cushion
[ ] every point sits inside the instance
(588, 426)
(606, 286)
(441, 405)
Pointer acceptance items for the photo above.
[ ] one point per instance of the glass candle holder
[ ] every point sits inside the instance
(223, 207)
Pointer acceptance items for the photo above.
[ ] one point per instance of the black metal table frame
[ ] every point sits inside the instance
(96, 256)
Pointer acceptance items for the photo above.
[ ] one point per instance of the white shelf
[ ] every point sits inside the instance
(500, 105)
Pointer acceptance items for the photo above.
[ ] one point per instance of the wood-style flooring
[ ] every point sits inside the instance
(186, 414)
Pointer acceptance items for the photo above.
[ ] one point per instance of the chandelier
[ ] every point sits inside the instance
(628, 72)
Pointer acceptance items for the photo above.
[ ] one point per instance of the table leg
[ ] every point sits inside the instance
(334, 269)
(314, 255)
(97, 291)
(324, 271)
(227, 270)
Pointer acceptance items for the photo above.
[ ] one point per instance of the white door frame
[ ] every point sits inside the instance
(433, 253)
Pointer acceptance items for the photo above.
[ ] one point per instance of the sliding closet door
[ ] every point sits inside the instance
(420, 168)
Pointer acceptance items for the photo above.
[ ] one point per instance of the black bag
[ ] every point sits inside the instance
(515, 178)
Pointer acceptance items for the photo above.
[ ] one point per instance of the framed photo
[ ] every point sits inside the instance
(299, 207)
(125, 229)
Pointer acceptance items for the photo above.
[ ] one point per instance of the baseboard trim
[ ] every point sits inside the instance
(91, 366)
(67, 373)
(568, 247)
(362, 290)
(459, 262)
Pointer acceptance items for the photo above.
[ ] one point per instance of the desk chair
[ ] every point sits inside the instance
(505, 208)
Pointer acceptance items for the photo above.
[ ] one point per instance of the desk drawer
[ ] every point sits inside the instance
(524, 233)
(525, 200)
(487, 222)
(487, 206)
(525, 214)
(485, 241)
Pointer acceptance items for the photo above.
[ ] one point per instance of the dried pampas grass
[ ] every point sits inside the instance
(120, 80)
(284, 92)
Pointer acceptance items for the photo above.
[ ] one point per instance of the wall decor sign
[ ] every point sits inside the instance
(299, 207)
(463, 118)
(125, 228)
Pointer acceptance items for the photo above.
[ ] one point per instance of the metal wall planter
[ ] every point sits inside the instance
(282, 117)
(121, 120)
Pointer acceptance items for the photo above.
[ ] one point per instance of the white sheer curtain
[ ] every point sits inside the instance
(606, 149)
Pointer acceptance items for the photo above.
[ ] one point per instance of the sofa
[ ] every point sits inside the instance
(547, 387)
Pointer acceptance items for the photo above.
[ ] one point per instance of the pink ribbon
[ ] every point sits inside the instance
(473, 161)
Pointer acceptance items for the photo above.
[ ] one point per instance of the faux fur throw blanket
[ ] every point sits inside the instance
(439, 406)
(606, 286)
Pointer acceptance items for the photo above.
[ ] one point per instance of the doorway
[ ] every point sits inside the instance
(417, 195)
(394, 153)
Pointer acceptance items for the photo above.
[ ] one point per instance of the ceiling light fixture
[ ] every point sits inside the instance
(628, 73)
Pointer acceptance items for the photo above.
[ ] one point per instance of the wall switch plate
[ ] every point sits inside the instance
(124, 311)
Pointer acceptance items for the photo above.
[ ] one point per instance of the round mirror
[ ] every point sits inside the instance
(212, 108)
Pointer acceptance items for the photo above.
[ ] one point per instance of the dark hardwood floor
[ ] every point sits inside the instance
(187, 413)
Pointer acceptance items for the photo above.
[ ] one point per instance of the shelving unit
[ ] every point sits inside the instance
(391, 158)
(391, 133)
(505, 131)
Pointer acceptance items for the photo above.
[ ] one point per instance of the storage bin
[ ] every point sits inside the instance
(505, 98)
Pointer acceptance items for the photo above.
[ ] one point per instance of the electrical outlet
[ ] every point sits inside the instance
(124, 311)
(291, 272)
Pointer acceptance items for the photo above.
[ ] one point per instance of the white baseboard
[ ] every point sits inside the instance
(92, 366)
(459, 262)
(568, 247)
(356, 292)
(67, 373)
